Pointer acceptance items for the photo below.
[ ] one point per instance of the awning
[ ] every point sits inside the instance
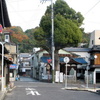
(49, 60)
(80, 60)
(46, 59)
(72, 61)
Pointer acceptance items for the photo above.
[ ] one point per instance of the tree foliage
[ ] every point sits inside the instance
(66, 26)
(67, 31)
(30, 34)
(17, 34)
(19, 38)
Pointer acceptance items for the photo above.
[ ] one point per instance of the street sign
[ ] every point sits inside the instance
(66, 59)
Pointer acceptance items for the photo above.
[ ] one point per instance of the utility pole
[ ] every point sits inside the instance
(17, 56)
(52, 38)
(52, 19)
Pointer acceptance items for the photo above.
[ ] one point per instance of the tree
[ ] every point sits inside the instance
(30, 34)
(19, 37)
(67, 31)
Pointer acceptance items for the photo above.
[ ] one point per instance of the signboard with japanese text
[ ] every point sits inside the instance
(13, 66)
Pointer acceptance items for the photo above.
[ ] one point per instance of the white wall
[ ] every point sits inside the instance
(94, 38)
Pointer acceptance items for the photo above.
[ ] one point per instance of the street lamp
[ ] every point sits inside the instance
(2, 63)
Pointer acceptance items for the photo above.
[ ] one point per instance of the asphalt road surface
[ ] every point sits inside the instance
(28, 89)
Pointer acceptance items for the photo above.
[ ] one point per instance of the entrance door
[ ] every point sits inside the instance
(98, 77)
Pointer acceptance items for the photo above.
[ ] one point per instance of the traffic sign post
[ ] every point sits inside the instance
(66, 60)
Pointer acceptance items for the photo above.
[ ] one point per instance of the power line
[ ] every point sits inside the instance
(17, 11)
(92, 7)
(15, 0)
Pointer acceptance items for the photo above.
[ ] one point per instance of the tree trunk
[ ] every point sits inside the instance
(57, 67)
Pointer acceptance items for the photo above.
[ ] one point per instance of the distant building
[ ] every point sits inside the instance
(24, 67)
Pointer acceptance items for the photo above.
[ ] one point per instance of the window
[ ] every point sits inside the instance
(92, 41)
(6, 36)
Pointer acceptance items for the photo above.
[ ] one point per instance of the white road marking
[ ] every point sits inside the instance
(37, 93)
(31, 91)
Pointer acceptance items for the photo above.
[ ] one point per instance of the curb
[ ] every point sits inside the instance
(83, 89)
(3, 95)
(11, 89)
(5, 92)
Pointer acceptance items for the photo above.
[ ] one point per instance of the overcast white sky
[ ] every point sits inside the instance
(27, 13)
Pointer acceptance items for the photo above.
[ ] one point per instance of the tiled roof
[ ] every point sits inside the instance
(77, 49)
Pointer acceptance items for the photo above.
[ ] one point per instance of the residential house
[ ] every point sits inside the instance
(5, 69)
(94, 45)
(86, 61)
(10, 59)
(24, 67)
(42, 65)
(36, 59)
(12, 55)
(92, 57)
(82, 53)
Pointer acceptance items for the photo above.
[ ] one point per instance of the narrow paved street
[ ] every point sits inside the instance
(29, 89)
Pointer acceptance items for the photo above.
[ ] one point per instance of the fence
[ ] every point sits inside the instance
(70, 78)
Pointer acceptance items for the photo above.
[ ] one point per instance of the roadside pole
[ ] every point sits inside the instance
(87, 77)
(66, 60)
(52, 19)
(2, 84)
(66, 77)
(52, 39)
